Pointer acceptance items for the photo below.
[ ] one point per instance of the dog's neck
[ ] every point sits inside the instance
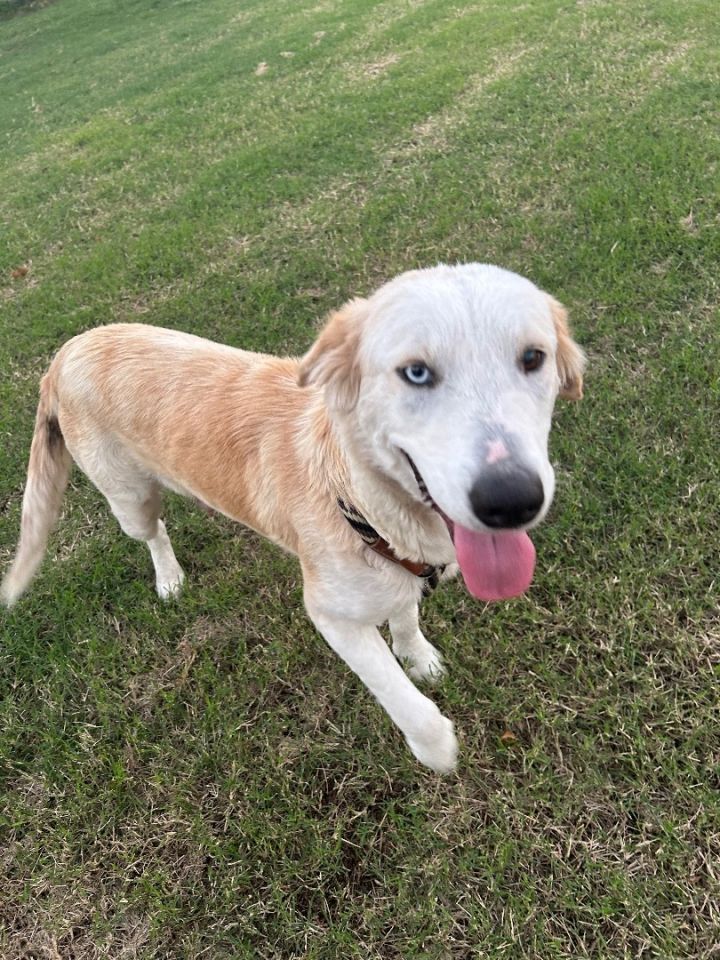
(412, 529)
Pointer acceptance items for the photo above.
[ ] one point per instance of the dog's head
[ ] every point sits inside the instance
(448, 377)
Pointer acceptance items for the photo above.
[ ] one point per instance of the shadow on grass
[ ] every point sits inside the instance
(11, 8)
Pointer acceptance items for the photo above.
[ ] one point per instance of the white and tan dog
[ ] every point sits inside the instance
(424, 410)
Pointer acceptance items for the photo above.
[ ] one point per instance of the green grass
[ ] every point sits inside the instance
(206, 779)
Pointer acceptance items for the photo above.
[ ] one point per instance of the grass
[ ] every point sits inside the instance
(206, 779)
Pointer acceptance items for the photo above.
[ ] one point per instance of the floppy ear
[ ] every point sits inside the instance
(332, 361)
(570, 358)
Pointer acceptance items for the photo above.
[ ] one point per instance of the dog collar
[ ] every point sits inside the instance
(427, 572)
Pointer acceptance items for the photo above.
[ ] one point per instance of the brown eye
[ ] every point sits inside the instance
(532, 360)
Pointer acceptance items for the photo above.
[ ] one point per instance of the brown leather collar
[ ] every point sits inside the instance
(426, 571)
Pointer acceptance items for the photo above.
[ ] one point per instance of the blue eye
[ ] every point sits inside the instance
(532, 360)
(418, 375)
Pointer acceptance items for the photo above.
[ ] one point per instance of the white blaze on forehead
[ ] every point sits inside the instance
(456, 315)
(515, 411)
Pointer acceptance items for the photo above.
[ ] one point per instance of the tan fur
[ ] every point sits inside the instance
(230, 427)
(333, 359)
(274, 442)
(570, 358)
(48, 473)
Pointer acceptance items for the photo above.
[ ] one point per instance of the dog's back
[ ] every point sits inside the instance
(140, 407)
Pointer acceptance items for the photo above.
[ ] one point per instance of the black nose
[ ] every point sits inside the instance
(505, 498)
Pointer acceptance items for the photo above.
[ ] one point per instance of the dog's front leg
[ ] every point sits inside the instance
(429, 734)
(409, 644)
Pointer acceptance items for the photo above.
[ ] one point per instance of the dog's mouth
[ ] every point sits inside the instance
(422, 486)
(495, 565)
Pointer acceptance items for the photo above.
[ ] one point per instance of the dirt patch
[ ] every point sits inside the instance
(371, 71)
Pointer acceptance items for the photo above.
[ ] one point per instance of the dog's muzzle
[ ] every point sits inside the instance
(505, 498)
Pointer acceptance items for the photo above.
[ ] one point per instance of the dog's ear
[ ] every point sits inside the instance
(332, 361)
(570, 358)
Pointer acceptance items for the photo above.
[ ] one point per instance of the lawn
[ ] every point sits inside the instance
(206, 779)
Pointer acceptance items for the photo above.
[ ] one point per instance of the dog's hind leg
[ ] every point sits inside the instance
(135, 500)
(140, 519)
(409, 645)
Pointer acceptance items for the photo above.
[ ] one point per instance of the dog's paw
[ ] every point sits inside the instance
(425, 664)
(438, 750)
(170, 588)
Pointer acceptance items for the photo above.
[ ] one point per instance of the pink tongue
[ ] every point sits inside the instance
(495, 566)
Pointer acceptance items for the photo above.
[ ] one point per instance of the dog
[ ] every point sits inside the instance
(411, 438)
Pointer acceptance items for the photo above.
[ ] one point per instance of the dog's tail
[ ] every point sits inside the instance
(47, 477)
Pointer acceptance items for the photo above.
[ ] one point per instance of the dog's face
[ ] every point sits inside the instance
(450, 376)
(454, 370)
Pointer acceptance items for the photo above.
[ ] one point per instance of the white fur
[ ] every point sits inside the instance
(272, 443)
